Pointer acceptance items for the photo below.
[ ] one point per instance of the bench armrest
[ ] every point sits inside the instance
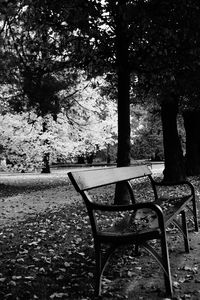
(129, 207)
(173, 183)
(134, 207)
(156, 184)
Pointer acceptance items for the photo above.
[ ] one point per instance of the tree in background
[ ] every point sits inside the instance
(22, 138)
(146, 135)
(92, 115)
(147, 39)
(191, 123)
(44, 39)
(167, 59)
(89, 125)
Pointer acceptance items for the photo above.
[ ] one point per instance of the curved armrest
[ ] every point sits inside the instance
(172, 183)
(178, 183)
(129, 207)
(134, 207)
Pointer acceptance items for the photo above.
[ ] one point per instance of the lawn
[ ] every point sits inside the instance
(46, 248)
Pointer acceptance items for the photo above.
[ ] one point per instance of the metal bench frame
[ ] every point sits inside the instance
(86, 180)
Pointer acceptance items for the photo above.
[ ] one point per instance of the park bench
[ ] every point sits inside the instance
(138, 223)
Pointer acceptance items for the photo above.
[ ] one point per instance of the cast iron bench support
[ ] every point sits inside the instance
(87, 180)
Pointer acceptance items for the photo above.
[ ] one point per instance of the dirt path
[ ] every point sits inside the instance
(29, 194)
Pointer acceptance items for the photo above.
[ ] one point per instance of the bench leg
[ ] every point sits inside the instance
(97, 247)
(166, 265)
(195, 215)
(101, 263)
(163, 261)
(185, 231)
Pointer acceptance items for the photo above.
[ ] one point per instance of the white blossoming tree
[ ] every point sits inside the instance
(89, 125)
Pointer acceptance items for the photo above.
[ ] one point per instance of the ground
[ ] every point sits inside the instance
(46, 248)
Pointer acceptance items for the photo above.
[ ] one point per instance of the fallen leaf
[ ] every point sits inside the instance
(58, 295)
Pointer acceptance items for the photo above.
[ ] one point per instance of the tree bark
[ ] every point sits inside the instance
(192, 157)
(123, 73)
(81, 160)
(46, 165)
(174, 161)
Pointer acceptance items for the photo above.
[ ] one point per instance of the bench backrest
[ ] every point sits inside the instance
(93, 178)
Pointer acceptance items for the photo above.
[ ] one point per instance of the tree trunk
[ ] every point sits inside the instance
(108, 158)
(192, 157)
(90, 158)
(46, 165)
(81, 160)
(174, 160)
(122, 59)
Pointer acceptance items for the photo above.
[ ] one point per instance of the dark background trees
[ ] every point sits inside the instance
(167, 63)
(146, 46)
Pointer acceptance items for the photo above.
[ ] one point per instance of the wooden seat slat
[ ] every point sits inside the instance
(92, 178)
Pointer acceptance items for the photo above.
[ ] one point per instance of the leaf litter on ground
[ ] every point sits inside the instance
(46, 248)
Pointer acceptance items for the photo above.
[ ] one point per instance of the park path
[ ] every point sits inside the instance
(29, 194)
(25, 195)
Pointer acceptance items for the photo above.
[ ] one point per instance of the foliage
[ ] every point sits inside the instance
(93, 116)
(22, 138)
(166, 49)
(147, 140)
(155, 42)
(44, 39)
(49, 43)
(89, 126)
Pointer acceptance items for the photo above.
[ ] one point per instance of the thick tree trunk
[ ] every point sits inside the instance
(123, 151)
(122, 59)
(192, 157)
(174, 160)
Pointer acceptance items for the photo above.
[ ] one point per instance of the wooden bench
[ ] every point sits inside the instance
(157, 214)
